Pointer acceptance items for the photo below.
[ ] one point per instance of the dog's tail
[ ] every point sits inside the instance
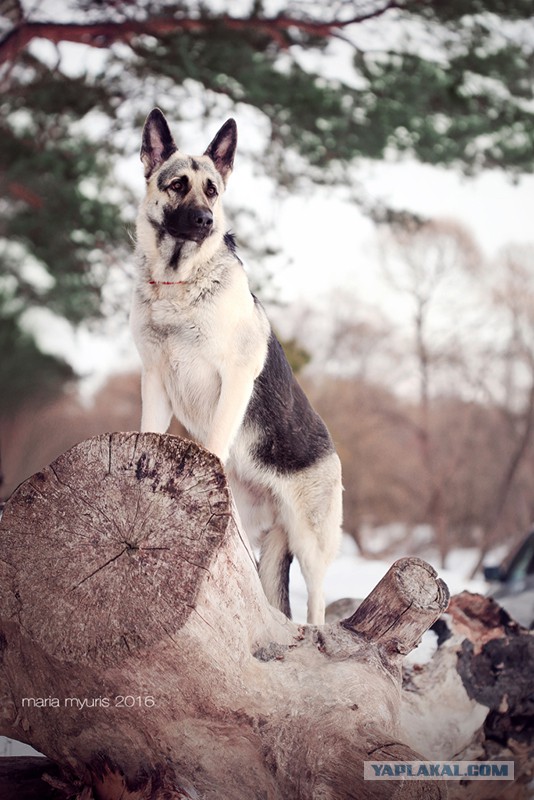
(275, 561)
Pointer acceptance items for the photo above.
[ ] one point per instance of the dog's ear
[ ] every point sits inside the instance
(221, 149)
(158, 144)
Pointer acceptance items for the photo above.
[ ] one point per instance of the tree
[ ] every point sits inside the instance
(510, 510)
(438, 107)
(420, 259)
(59, 228)
(382, 475)
(464, 102)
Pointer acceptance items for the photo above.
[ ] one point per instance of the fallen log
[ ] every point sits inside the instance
(139, 654)
(481, 678)
(471, 700)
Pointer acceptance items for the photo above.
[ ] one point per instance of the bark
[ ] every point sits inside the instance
(139, 654)
(398, 610)
(279, 28)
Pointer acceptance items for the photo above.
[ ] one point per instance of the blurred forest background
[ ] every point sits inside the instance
(434, 419)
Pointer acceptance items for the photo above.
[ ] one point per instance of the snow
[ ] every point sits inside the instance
(352, 575)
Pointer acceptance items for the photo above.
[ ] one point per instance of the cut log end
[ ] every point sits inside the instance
(97, 530)
(401, 607)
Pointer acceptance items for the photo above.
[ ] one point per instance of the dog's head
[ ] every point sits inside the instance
(183, 192)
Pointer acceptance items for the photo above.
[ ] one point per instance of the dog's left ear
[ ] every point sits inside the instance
(221, 149)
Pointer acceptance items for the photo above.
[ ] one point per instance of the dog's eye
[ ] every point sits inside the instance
(211, 190)
(178, 184)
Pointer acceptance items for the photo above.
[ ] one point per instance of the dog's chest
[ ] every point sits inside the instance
(189, 345)
(182, 332)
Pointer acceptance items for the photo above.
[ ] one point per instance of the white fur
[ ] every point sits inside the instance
(200, 360)
(204, 369)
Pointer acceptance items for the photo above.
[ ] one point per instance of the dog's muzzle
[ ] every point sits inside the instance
(190, 223)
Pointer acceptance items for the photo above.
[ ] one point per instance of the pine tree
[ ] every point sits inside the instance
(450, 83)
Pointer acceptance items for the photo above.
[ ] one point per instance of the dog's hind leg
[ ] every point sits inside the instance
(275, 561)
(312, 511)
(313, 566)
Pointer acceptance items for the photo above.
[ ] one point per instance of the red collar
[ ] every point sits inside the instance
(166, 283)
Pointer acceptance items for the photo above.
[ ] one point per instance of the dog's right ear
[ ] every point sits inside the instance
(158, 144)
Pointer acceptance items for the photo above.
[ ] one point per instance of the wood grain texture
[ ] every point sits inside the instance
(94, 535)
(124, 573)
(402, 606)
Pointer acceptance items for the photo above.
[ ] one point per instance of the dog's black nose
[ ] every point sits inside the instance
(202, 218)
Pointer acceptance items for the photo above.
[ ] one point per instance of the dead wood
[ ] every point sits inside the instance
(473, 700)
(404, 604)
(139, 654)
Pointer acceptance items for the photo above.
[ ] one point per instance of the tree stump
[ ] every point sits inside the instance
(139, 653)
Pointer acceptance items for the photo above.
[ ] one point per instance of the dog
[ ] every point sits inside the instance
(210, 357)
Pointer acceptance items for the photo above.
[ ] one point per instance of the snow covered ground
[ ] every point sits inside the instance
(351, 575)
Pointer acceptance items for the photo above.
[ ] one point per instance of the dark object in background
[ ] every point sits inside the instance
(512, 582)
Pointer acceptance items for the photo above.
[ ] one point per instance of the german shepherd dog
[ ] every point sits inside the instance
(210, 357)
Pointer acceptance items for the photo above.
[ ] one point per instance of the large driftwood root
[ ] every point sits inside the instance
(138, 651)
(480, 678)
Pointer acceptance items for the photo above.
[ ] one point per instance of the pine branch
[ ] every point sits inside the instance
(103, 34)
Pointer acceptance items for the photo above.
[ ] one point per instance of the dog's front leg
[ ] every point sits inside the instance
(156, 412)
(236, 390)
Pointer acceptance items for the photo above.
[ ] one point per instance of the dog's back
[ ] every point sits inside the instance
(210, 357)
